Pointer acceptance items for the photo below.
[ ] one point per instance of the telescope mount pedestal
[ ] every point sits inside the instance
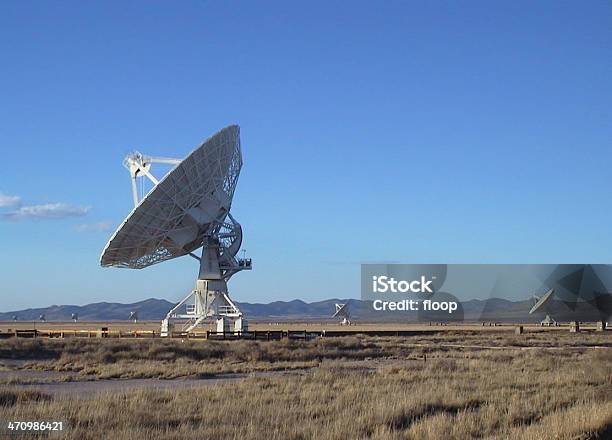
(210, 298)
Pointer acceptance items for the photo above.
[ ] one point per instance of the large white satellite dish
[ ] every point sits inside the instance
(186, 210)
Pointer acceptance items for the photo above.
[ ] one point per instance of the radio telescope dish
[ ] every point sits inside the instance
(342, 311)
(540, 303)
(190, 203)
(186, 210)
(543, 300)
(74, 317)
(133, 316)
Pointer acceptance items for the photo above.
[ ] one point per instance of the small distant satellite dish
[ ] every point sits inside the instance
(342, 311)
(188, 209)
(42, 318)
(74, 317)
(133, 316)
(541, 301)
(14, 317)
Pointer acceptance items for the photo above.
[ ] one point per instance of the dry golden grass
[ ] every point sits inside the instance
(362, 388)
(86, 359)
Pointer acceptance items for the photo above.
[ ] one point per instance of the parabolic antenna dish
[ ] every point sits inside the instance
(341, 310)
(190, 203)
(540, 303)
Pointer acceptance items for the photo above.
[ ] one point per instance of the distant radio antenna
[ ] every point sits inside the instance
(342, 311)
(541, 304)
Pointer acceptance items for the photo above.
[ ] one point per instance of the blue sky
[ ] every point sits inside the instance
(424, 132)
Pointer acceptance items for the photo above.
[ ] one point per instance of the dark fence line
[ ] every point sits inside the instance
(258, 335)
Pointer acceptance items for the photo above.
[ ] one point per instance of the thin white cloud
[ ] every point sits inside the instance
(7, 201)
(95, 227)
(46, 211)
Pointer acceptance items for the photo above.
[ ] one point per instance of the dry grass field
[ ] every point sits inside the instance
(456, 385)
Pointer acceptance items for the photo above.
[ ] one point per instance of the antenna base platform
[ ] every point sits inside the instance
(209, 300)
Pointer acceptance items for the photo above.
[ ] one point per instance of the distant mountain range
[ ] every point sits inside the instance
(149, 309)
(493, 309)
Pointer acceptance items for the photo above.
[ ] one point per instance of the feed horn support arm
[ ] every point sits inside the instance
(139, 165)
